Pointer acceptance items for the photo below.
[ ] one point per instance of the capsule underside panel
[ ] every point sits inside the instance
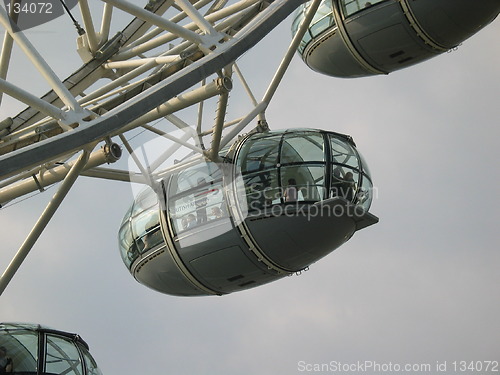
(221, 259)
(386, 40)
(450, 22)
(159, 272)
(288, 247)
(229, 270)
(331, 56)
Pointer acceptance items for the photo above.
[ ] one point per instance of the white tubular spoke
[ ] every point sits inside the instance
(46, 216)
(177, 122)
(107, 14)
(273, 86)
(33, 101)
(139, 62)
(148, 71)
(5, 58)
(153, 64)
(156, 31)
(180, 102)
(148, 44)
(261, 107)
(89, 26)
(202, 23)
(6, 53)
(218, 126)
(89, 101)
(168, 153)
(144, 170)
(189, 132)
(40, 63)
(118, 82)
(154, 19)
(245, 84)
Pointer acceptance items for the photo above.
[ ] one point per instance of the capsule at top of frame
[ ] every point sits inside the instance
(32, 349)
(357, 38)
(277, 203)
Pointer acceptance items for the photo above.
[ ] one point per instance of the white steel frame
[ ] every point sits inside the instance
(143, 89)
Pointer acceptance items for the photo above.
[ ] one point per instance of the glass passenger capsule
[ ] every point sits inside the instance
(30, 349)
(277, 203)
(356, 38)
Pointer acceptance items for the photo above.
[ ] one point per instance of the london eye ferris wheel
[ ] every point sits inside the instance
(171, 69)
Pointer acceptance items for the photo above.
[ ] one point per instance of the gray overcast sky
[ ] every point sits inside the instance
(420, 287)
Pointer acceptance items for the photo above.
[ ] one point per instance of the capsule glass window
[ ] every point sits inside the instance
(259, 153)
(62, 357)
(302, 147)
(90, 363)
(353, 6)
(344, 183)
(128, 248)
(146, 229)
(303, 183)
(145, 199)
(364, 195)
(323, 19)
(342, 153)
(262, 189)
(21, 346)
(196, 197)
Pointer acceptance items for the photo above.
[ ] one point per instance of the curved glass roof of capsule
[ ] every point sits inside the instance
(35, 349)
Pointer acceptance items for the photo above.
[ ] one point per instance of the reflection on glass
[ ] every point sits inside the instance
(307, 180)
(62, 357)
(21, 346)
(196, 197)
(31, 345)
(90, 363)
(262, 189)
(322, 21)
(259, 154)
(140, 231)
(128, 247)
(365, 194)
(344, 183)
(302, 148)
(352, 6)
(343, 153)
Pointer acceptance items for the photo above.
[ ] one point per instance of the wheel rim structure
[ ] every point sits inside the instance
(32, 138)
(145, 73)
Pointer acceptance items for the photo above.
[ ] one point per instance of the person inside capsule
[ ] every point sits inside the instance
(6, 364)
(290, 193)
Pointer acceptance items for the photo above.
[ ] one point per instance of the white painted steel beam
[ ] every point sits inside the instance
(107, 154)
(198, 19)
(139, 62)
(89, 26)
(278, 76)
(116, 120)
(180, 102)
(42, 222)
(149, 44)
(292, 50)
(218, 126)
(107, 15)
(33, 101)
(159, 21)
(39, 63)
